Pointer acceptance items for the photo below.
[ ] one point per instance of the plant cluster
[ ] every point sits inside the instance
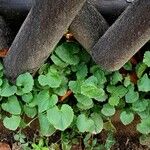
(71, 92)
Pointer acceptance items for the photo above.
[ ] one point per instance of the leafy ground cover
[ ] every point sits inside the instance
(74, 102)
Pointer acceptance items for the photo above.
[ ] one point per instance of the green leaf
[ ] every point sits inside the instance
(114, 100)
(84, 107)
(108, 110)
(127, 81)
(75, 86)
(67, 53)
(110, 141)
(140, 105)
(44, 69)
(12, 123)
(82, 71)
(27, 97)
(84, 100)
(43, 101)
(92, 91)
(91, 80)
(146, 59)
(30, 111)
(98, 122)
(115, 78)
(140, 69)
(62, 90)
(60, 118)
(12, 106)
(100, 75)
(57, 61)
(126, 117)
(25, 83)
(128, 66)
(119, 91)
(144, 114)
(53, 80)
(144, 83)
(46, 129)
(7, 90)
(144, 126)
(53, 100)
(131, 95)
(84, 124)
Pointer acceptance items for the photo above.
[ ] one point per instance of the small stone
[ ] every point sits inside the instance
(4, 146)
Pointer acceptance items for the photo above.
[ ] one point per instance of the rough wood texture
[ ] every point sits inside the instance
(88, 26)
(125, 37)
(18, 9)
(4, 34)
(110, 9)
(44, 26)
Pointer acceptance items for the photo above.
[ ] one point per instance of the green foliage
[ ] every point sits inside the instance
(95, 97)
(24, 83)
(108, 110)
(144, 83)
(131, 95)
(12, 123)
(144, 126)
(12, 106)
(126, 117)
(146, 59)
(60, 118)
(93, 124)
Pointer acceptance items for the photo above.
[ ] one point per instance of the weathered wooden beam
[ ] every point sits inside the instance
(44, 26)
(125, 37)
(88, 26)
(109, 9)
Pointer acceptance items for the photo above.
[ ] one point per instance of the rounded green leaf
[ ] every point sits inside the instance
(12, 123)
(84, 107)
(144, 126)
(84, 124)
(131, 95)
(84, 100)
(108, 110)
(126, 117)
(7, 90)
(67, 53)
(46, 129)
(30, 111)
(98, 123)
(60, 118)
(12, 106)
(53, 100)
(43, 101)
(53, 80)
(27, 97)
(114, 100)
(91, 91)
(82, 71)
(140, 105)
(25, 83)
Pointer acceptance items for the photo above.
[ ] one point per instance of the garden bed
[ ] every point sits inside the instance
(73, 104)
